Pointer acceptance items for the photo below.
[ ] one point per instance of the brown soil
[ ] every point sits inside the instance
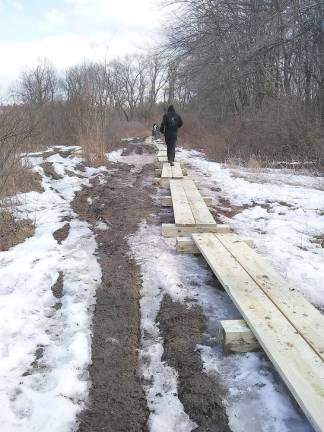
(319, 239)
(182, 328)
(57, 288)
(50, 171)
(117, 401)
(12, 231)
(62, 233)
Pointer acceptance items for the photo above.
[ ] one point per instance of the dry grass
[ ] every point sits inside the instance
(12, 231)
(100, 140)
(21, 180)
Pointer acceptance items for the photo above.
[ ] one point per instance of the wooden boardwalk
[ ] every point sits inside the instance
(289, 329)
(286, 325)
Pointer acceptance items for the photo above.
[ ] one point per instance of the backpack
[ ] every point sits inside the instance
(172, 121)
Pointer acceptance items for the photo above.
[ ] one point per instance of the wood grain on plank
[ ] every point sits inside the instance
(182, 212)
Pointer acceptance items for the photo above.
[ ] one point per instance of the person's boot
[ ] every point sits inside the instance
(172, 163)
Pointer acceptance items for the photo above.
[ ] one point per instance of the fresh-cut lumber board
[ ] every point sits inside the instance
(166, 201)
(160, 146)
(237, 337)
(162, 159)
(162, 153)
(198, 206)
(187, 245)
(166, 171)
(176, 171)
(301, 368)
(182, 212)
(306, 319)
(169, 171)
(171, 230)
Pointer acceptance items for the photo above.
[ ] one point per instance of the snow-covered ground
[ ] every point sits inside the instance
(45, 341)
(282, 213)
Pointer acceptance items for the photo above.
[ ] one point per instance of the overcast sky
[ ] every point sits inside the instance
(69, 31)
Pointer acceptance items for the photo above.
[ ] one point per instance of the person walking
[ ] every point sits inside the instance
(171, 122)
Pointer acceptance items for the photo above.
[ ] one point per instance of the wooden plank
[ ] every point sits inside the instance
(182, 212)
(187, 245)
(166, 171)
(160, 146)
(299, 366)
(176, 171)
(306, 319)
(198, 206)
(164, 183)
(171, 230)
(166, 201)
(158, 171)
(162, 159)
(237, 337)
(162, 153)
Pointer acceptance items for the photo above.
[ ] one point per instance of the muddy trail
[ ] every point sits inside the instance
(117, 401)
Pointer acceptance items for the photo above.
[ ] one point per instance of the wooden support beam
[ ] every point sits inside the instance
(187, 245)
(237, 337)
(171, 230)
(158, 181)
(158, 172)
(166, 201)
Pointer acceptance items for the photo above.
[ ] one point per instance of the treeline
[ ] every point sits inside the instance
(254, 71)
(90, 97)
(90, 104)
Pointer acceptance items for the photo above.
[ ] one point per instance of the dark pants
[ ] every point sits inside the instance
(171, 144)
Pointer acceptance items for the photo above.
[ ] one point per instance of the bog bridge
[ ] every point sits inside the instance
(276, 317)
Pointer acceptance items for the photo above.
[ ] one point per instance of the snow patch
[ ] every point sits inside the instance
(44, 340)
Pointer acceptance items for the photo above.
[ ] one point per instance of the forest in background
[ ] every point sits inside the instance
(247, 76)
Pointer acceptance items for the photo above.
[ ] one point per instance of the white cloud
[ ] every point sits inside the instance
(63, 51)
(83, 30)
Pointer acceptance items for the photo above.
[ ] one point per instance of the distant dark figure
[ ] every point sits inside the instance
(169, 127)
(155, 131)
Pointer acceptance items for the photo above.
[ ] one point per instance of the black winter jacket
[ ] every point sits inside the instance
(170, 132)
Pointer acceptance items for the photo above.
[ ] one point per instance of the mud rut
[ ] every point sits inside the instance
(117, 401)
